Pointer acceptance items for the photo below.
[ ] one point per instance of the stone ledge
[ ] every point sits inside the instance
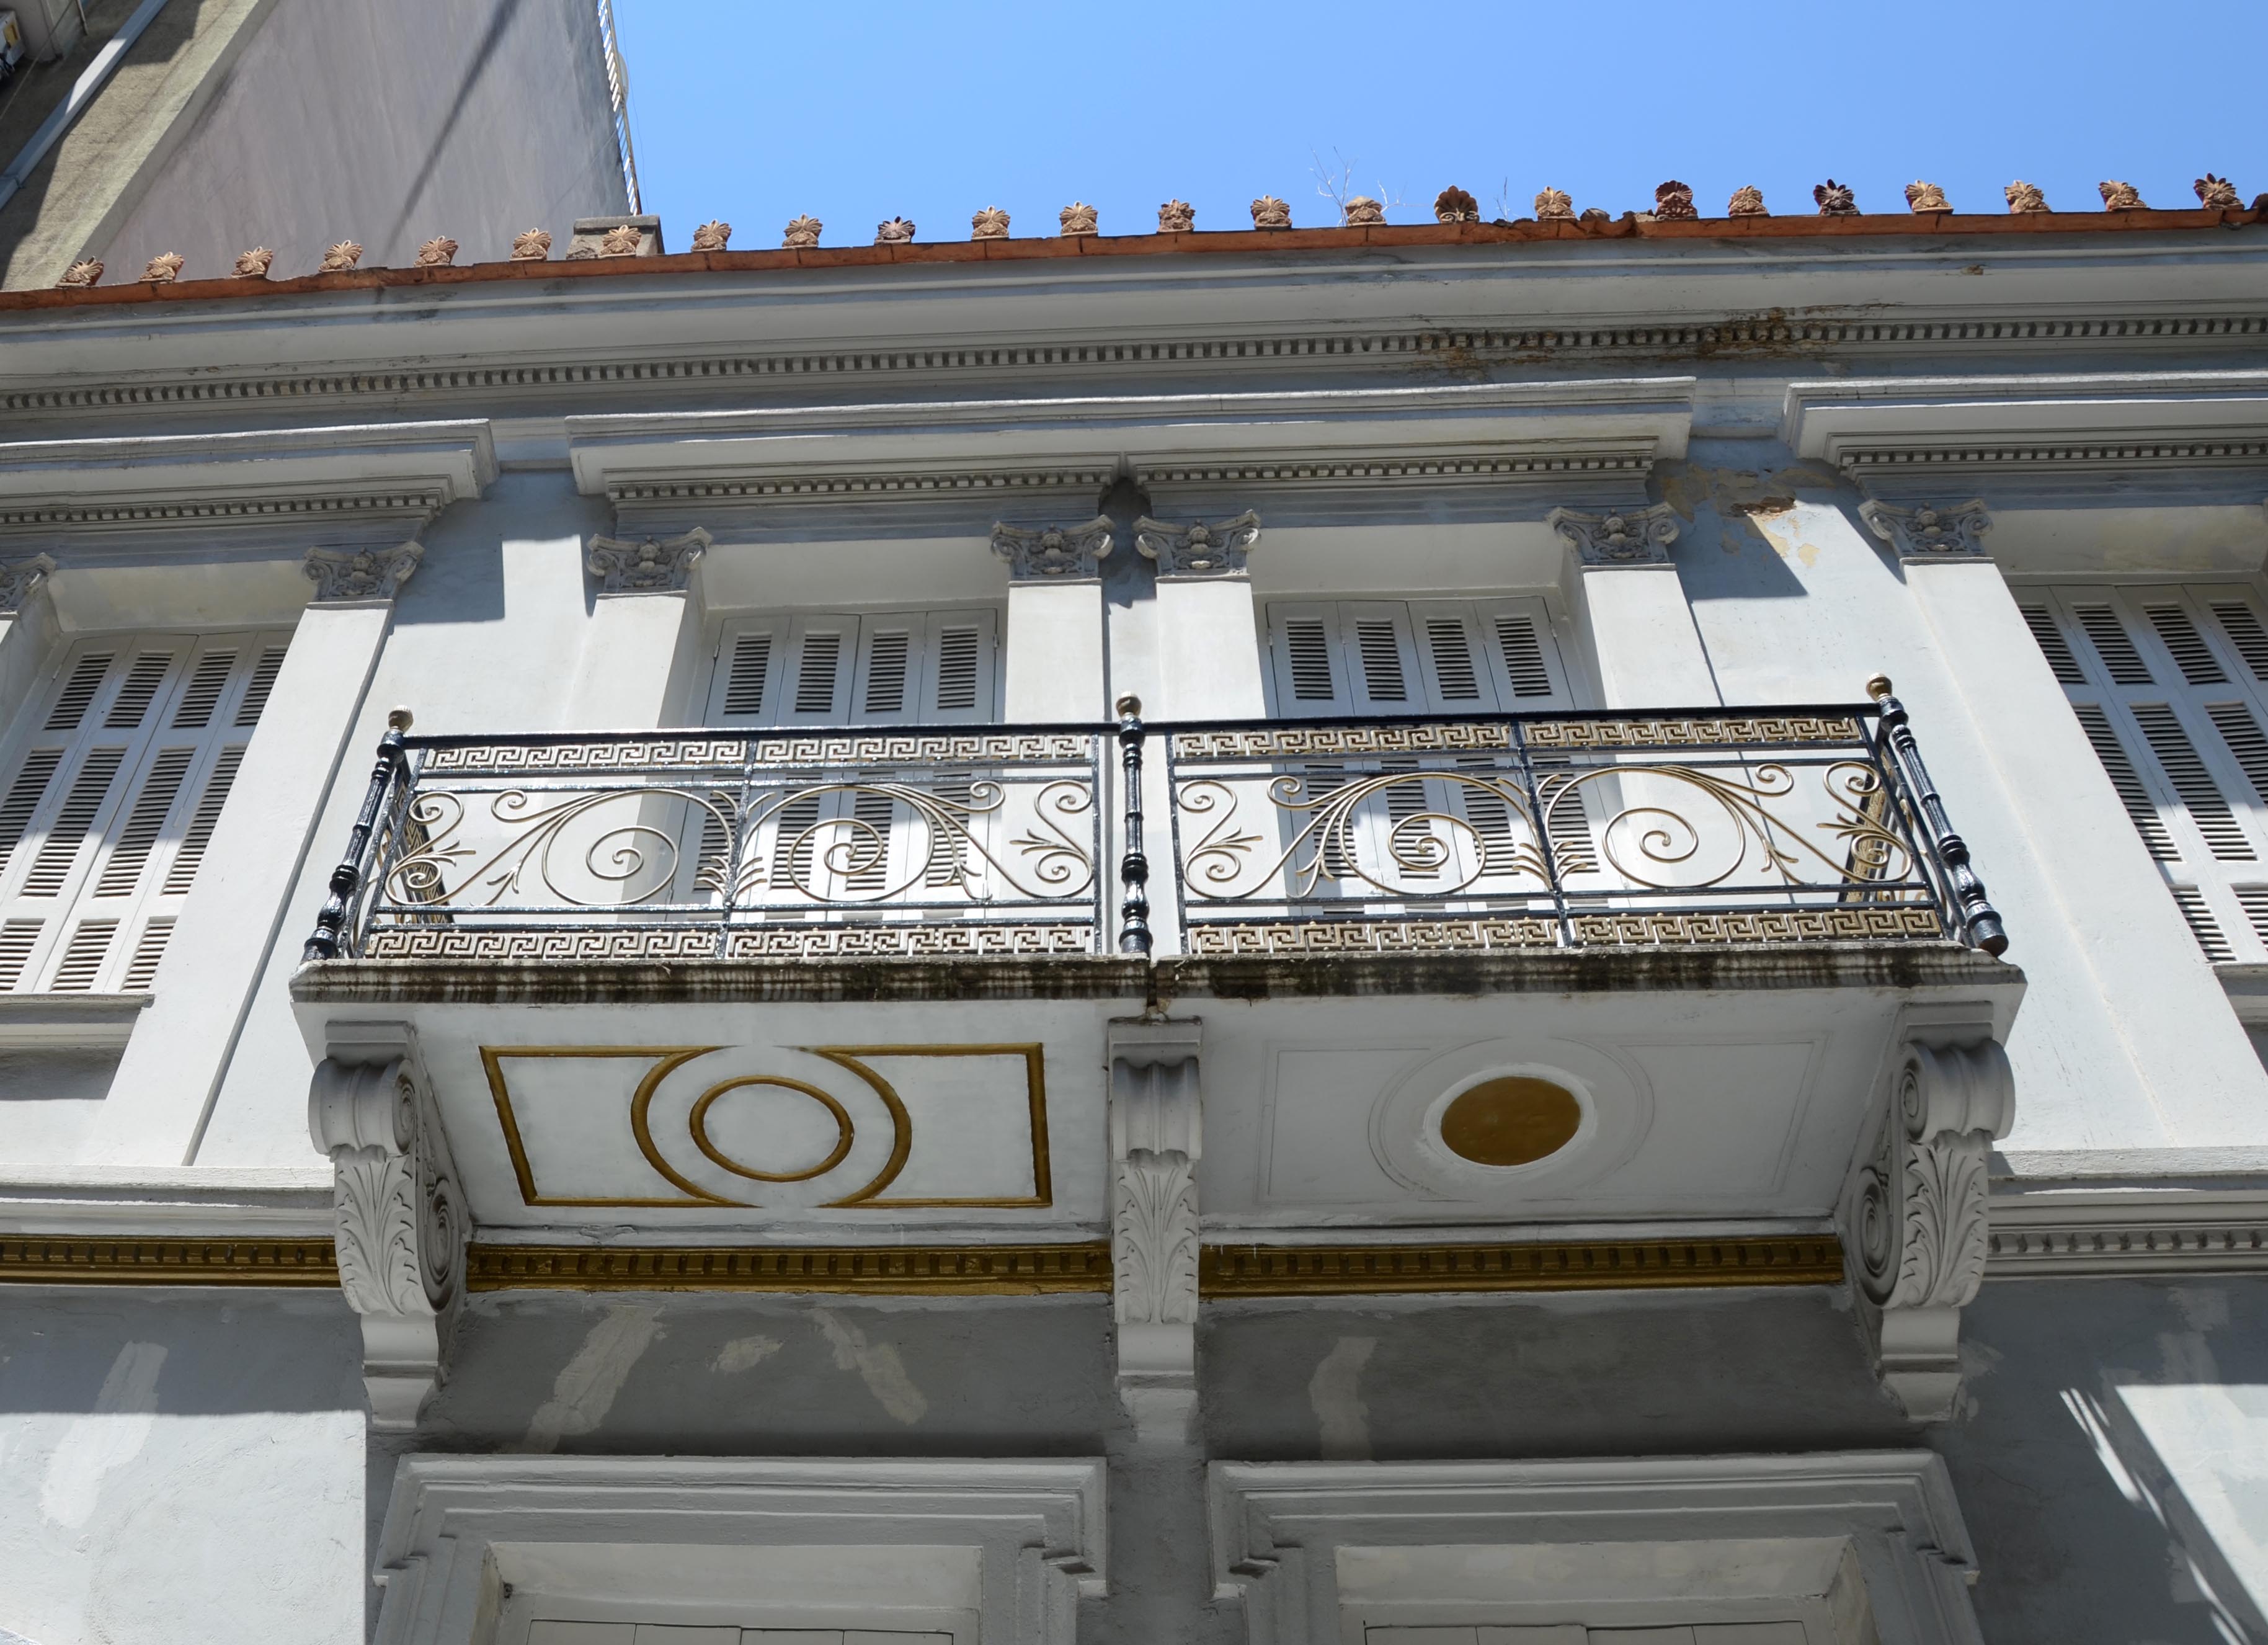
(1778, 966)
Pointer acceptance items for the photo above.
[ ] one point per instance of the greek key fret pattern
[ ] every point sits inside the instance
(1772, 731)
(539, 947)
(833, 748)
(1412, 738)
(1355, 936)
(1795, 924)
(544, 758)
(910, 942)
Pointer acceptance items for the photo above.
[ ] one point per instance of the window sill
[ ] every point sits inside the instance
(70, 1021)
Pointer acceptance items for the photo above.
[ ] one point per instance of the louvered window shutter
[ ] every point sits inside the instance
(114, 792)
(1310, 677)
(853, 844)
(2167, 682)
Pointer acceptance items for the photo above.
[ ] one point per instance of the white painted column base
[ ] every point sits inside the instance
(1053, 657)
(1208, 651)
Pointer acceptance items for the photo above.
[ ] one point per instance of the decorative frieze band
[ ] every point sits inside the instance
(887, 1270)
(1637, 536)
(361, 574)
(1926, 532)
(1065, 554)
(1240, 1271)
(19, 578)
(649, 567)
(1198, 549)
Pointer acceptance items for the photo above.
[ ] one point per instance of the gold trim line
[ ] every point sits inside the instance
(879, 1270)
(124, 1260)
(1234, 1270)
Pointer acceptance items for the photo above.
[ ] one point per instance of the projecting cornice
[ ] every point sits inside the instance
(347, 486)
(1539, 435)
(2098, 436)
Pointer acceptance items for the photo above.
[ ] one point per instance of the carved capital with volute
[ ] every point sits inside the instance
(1060, 554)
(648, 566)
(19, 579)
(1199, 549)
(398, 1214)
(353, 576)
(1630, 536)
(1926, 532)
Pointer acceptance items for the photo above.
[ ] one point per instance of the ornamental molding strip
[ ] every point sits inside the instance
(1311, 1547)
(648, 565)
(358, 576)
(1927, 532)
(1009, 1546)
(19, 579)
(1909, 439)
(1198, 551)
(1637, 536)
(361, 486)
(1482, 431)
(1914, 1215)
(2129, 1229)
(1062, 554)
(400, 1218)
(392, 379)
(1157, 1137)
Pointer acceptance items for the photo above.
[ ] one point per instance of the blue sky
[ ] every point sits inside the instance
(858, 110)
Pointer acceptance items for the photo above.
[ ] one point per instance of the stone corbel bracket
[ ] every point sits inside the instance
(1914, 1218)
(1635, 537)
(1156, 1139)
(651, 565)
(20, 579)
(1926, 532)
(361, 576)
(1061, 554)
(1198, 550)
(398, 1213)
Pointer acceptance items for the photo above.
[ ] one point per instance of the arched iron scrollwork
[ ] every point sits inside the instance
(1432, 852)
(852, 850)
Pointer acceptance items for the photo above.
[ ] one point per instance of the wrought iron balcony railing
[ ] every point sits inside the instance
(1419, 834)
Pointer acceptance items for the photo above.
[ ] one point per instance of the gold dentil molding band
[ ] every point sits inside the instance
(878, 1270)
(1234, 1271)
(63, 1260)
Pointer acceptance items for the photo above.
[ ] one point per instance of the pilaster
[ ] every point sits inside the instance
(1053, 655)
(172, 1070)
(400, 1220)
(2187, 1051)
(1208, 636)
(1647, 652)
(1156, 1139)
(644, 617)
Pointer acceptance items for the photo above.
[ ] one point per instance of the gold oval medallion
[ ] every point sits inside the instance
(1513, 1119)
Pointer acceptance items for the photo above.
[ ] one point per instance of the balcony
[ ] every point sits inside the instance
(760, 981)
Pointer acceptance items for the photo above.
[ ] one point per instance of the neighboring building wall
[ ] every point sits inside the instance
(292, 124)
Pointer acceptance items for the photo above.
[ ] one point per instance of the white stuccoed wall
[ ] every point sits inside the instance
(1052, 655)
(1803, 609)
(1641, 637)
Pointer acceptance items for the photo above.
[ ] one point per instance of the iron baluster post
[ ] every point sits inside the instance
(346, 879)
(1518, 741)
(1133, 863)
(1980, 921)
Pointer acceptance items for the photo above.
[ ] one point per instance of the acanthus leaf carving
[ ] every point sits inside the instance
(1925, 532)
(19, 579)
(342, 574)
(1916, 1218)
(648, 565)
(1054, 553)
(1156, 1139)
(1154, 1240)
(1630, 536)
(1198, 549)
(399, 1224)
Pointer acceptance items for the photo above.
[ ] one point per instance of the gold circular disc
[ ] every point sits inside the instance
(1510, 1120)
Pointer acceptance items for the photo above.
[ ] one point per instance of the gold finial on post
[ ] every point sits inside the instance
(1879, 687)
(398, 720)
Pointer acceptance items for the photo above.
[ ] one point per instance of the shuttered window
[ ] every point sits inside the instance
(1360, 658)
(2171, 685)
(113, 783)
(887, 668)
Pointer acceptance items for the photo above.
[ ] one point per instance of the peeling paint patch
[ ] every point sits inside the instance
(1783, 529)
(587, 1384)
(112, 1436)
(1334, 1393)
(743, 1352)
(878, 1366)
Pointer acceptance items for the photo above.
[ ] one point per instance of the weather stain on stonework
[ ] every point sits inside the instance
(878, 1366)
(585, 1388)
